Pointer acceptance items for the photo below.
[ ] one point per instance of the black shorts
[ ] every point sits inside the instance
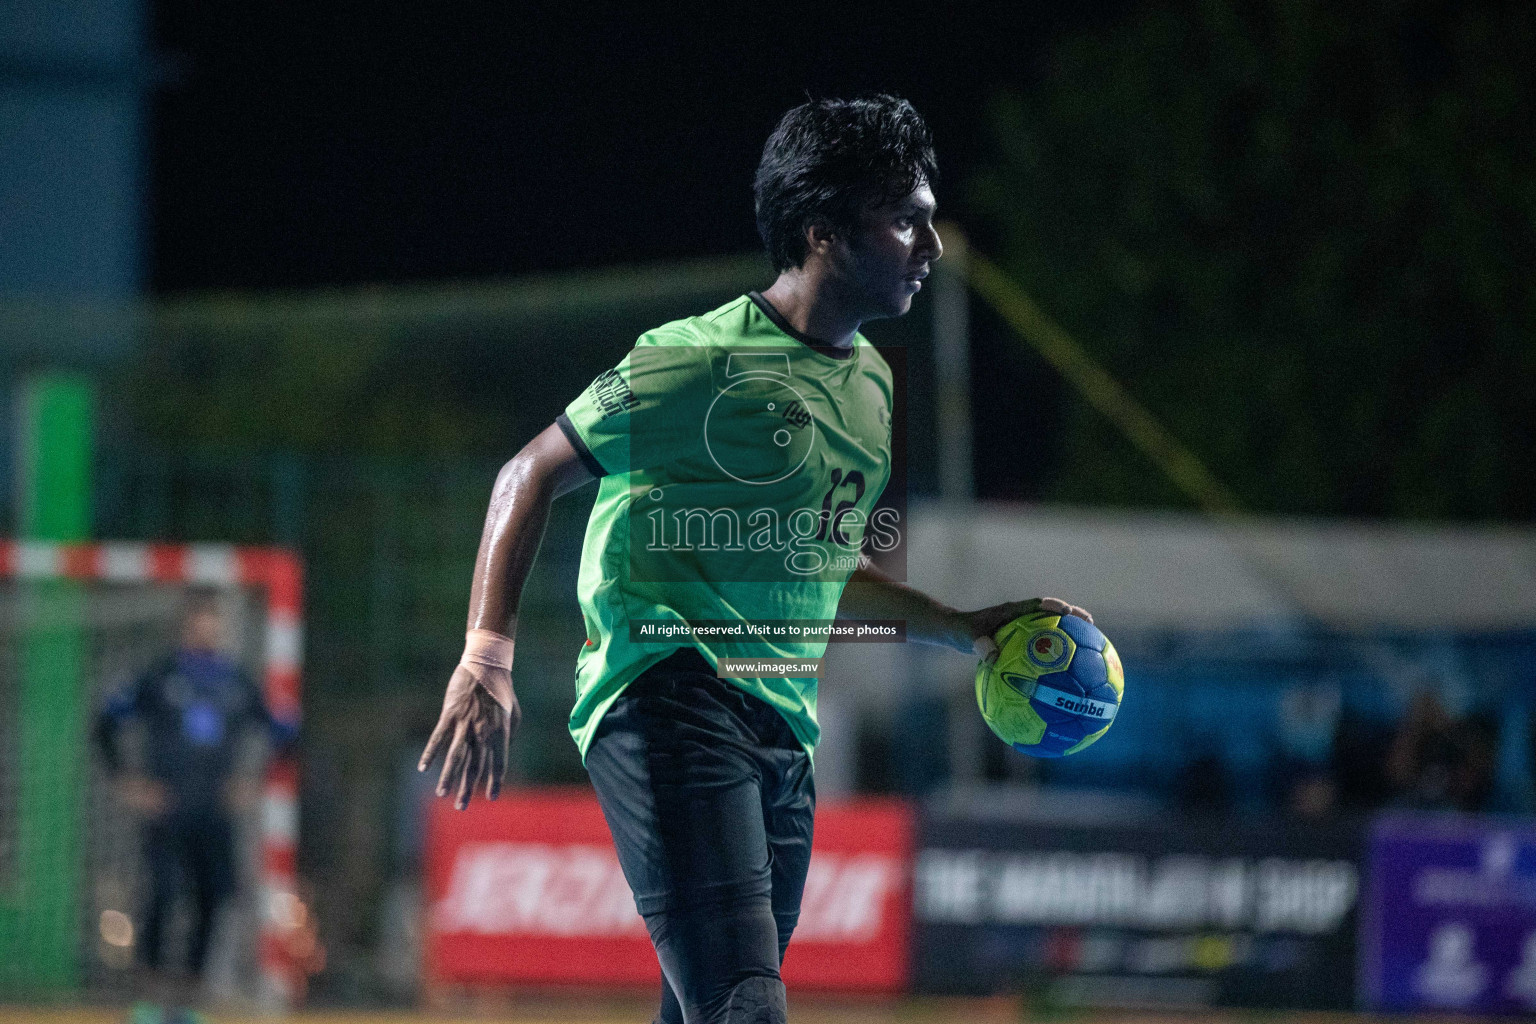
(710, 800)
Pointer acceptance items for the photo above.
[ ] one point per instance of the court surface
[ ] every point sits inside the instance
(582, 1010)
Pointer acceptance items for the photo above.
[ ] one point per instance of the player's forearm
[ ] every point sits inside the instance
(509, 542)
(546, 468)
(870, 595)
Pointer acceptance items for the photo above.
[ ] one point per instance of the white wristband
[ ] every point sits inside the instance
(484, 647)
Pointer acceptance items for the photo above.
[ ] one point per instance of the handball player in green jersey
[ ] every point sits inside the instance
(740, 455)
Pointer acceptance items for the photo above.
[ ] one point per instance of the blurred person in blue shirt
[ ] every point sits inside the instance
(195, 706)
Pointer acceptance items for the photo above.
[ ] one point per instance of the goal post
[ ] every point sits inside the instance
(43, 868)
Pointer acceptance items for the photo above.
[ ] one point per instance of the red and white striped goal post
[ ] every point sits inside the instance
(275, 573)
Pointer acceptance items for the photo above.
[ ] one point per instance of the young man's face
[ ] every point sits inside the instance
(889, 253)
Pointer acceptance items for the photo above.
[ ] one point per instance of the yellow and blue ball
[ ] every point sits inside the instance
(1055, 687)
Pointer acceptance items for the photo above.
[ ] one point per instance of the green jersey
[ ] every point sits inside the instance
(739, 468)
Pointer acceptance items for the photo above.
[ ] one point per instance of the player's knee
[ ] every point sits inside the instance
(755, 1000)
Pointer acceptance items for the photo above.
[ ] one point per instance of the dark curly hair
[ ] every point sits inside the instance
(828, 158)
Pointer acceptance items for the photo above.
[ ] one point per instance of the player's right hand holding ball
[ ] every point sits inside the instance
(480, 715)
(987, 621)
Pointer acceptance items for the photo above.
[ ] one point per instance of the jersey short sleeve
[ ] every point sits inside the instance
(647, 411)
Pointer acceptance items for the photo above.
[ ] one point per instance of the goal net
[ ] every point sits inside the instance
(77, 623)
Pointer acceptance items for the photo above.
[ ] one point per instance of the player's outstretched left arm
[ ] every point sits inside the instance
(872, 595)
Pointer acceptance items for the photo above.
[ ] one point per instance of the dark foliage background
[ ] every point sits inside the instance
(1303, 233)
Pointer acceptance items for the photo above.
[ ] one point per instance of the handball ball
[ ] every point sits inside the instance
(1055, 686)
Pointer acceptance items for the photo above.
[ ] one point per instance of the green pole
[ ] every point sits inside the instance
(39, 922)
(57, 421)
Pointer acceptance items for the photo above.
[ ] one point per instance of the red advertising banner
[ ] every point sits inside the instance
(856, 917)
(528, 890)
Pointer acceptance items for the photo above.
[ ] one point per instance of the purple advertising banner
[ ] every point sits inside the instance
(1449, 919)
